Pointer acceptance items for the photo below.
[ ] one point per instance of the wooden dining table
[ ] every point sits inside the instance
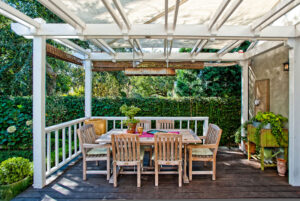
(188, 137)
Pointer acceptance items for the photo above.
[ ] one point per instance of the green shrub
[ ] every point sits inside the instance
(225, 112)
(8, 153)
(14, 169)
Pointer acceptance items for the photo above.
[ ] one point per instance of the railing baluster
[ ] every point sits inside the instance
(64, 144)
(114, 124)
(56, 148)
(106, 125)
(48, 151)
(196, 127)
(75, 139)
(180, 125)
(188, 124)
(70, 141)
(121, 124)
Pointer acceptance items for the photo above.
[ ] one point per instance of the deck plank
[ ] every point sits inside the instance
(236, 178)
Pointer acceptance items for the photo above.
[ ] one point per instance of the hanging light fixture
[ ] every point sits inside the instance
(286, 66)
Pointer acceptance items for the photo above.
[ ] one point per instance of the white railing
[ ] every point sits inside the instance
(62, 144)
(188, 121)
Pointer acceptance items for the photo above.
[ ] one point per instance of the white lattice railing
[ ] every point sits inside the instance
(62, 143)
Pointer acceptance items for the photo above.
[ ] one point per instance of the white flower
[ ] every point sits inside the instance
(11, 129)
(29, 122)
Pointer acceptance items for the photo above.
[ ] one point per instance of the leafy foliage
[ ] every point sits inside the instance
(222, 111)
(14, 169)
(130, 112)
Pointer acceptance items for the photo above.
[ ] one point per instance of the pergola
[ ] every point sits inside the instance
(165, 29)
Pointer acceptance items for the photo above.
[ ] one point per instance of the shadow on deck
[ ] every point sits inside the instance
(236, 178)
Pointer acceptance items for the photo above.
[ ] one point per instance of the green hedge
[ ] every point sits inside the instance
(222, 111)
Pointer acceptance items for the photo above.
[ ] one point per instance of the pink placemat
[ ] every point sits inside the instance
(145, 134)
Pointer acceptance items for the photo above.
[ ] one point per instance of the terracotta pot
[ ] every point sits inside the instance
(281, 167)
(131, 128)
(252, 147)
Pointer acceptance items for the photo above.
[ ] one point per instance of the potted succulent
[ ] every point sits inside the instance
(130, 112)
(15, 176)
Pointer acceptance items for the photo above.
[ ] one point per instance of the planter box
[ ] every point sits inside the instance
(267, 139)
(9, 191)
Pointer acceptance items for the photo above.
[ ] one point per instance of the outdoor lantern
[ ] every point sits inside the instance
(286, 66)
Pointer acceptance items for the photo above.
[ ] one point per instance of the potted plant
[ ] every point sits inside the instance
(238, 138)
(269, 120)
(281, 162)
(130, 112)
(15, 176)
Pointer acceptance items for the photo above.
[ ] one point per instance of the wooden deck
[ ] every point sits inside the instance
(236, 178)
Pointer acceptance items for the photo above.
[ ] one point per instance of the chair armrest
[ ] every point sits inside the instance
(202, 137)
(96, 146)
(202, 146)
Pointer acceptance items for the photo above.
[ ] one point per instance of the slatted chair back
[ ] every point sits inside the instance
(86, 135)
(213, 135)
(125, 147)
(146, 124)
(165, 124)
(168, 147)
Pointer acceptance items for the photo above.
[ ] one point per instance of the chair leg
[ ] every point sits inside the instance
(190, 166)
(108, 164)
(115, 174)
(97, 163)
(156, 174)
(214, 169)
(138, 175)
(180, 175)
(83, 169)
(150, 157)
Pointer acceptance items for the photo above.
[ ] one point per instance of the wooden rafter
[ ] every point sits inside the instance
(150, 72)
(59, 54)
(149, 64)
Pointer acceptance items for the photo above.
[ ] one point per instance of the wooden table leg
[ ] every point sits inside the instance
(262, 159)
(185, 178)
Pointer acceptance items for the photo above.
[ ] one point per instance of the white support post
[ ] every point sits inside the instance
(244, 110)
(88, 87)
(39, 76)
(294, 112)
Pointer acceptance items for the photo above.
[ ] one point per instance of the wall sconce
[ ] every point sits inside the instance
(286, 66)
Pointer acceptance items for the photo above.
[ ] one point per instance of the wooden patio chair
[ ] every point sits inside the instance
(126, 152)
(165, 124)
(206, 151)
(146, 124)
(92, 151)
(168, 151)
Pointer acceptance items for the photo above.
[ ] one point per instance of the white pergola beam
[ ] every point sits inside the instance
(195, 46)
(72, 46)
(122, 13)
(252, 45)
(176, 14)
(88, 88)
(59, 9)
(166, 14)
(156, 31)
(103, 45)
(265, 47)
(15, 15)
(218, 13)
(229, 47)
(113, 13)
(124, 56)
(201, 46)
(228, 13)
(283, 4)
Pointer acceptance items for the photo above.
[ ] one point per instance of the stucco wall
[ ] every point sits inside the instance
(270, 66)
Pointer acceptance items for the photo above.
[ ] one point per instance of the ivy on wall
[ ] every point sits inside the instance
(17, 111)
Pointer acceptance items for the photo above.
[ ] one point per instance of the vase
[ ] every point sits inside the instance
(281, 167)
(131, 127)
